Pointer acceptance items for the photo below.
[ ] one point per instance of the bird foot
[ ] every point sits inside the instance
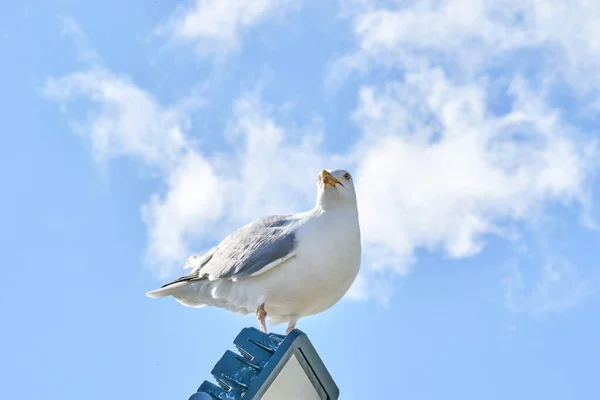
(291, 327)
(261, 315)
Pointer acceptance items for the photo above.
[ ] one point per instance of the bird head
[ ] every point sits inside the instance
(335, 189)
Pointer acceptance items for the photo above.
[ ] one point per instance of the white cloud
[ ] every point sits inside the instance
(439, 166)
(270, 162)
(216, 26)
(439, 169)
(471, 35)
(125, 119)
(558, 288)
(191, 207)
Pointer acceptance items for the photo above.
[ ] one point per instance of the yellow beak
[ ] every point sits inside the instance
(329, 179)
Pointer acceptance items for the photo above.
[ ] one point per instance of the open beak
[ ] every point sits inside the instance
(329, 179)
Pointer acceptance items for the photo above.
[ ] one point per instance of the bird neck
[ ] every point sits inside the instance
(330, 201)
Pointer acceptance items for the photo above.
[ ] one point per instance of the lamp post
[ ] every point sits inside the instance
(269, 367)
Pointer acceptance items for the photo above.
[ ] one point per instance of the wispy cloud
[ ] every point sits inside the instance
(126, 120)
(83, 49)
(216, 26)
(558, 287)
(474, 35)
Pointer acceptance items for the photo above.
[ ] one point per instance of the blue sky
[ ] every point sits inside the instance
(137, 133)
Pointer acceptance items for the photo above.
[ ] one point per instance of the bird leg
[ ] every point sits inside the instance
(261, 314)
(291, 327)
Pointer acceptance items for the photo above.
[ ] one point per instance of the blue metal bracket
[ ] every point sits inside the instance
(260, 358)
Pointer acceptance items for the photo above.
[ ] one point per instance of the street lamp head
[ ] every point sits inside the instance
(270, 367)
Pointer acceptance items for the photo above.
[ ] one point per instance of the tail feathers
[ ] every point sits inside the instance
(189, 293)
(176, 286)
(169, 290)
(200, 293)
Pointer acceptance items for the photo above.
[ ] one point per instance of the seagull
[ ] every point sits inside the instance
(284, 266)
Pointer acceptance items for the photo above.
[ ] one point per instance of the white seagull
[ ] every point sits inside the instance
(286, 266)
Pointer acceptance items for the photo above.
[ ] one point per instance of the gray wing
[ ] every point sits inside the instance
(250, 250)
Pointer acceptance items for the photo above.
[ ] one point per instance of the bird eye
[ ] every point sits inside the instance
(347, 176)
